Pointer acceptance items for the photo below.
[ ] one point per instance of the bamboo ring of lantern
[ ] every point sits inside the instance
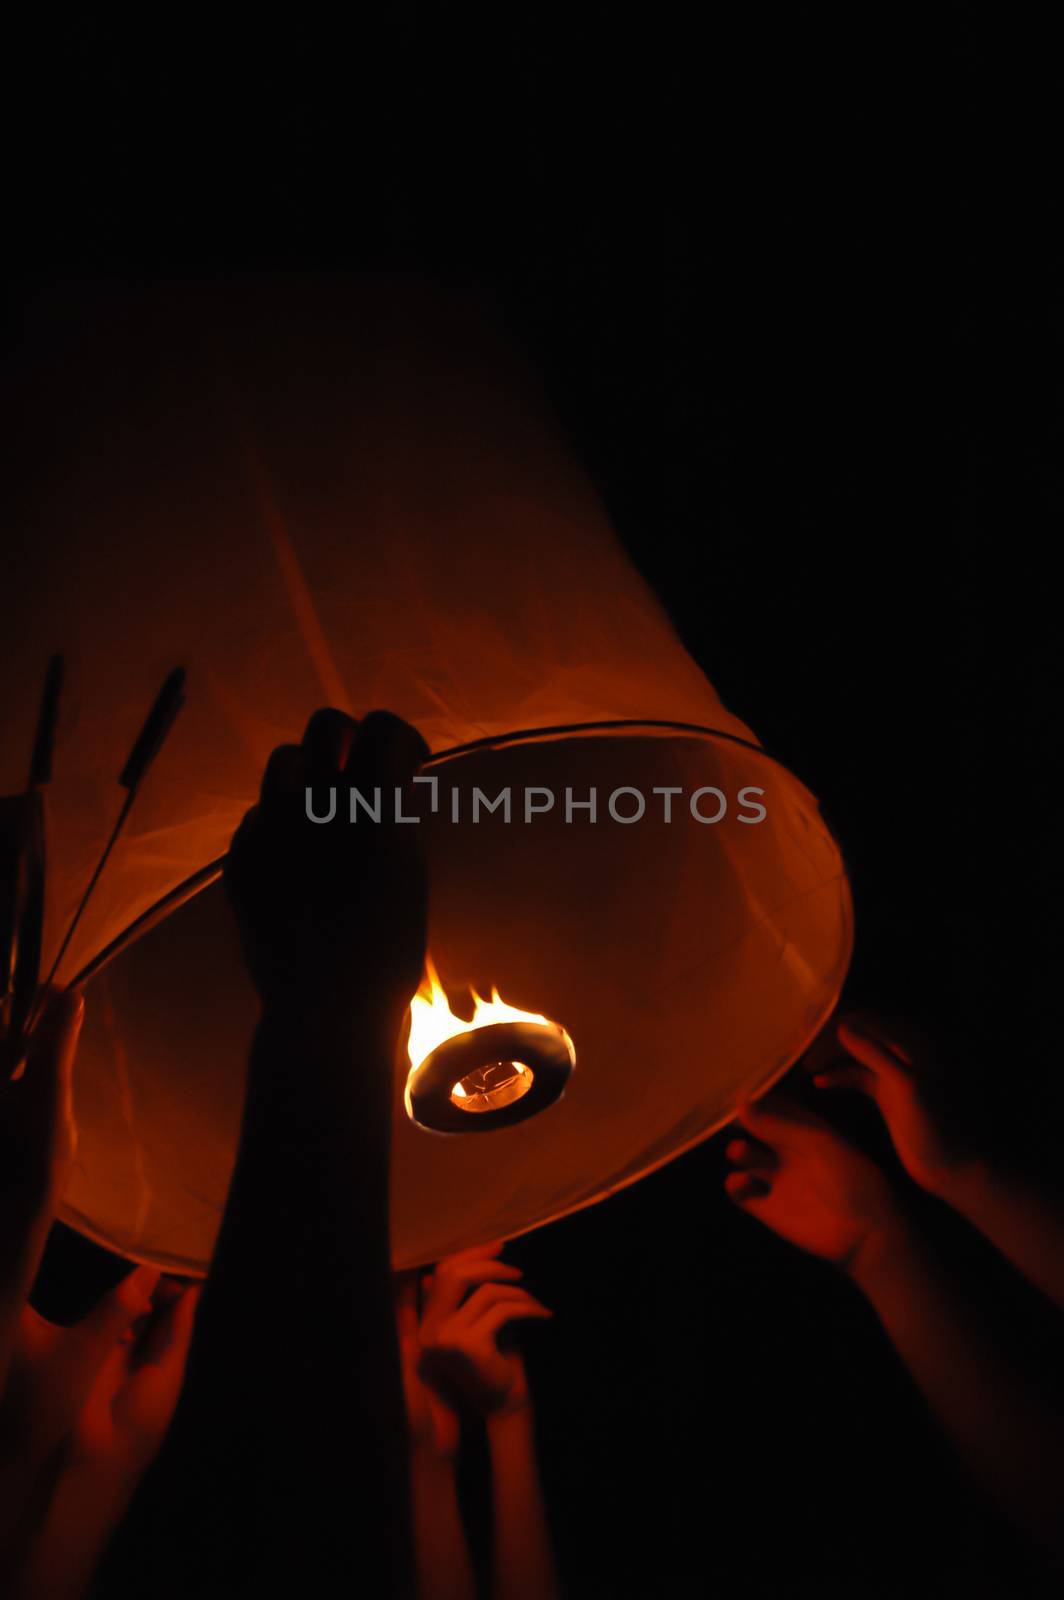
(490, 1077)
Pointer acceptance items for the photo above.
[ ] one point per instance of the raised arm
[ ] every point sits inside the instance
(801, 1179)
(83, 1409)
(441, 1550)
(473, 1301)
(37, 1144)
(898, 1075)
(103, 1395)
(290, 1438)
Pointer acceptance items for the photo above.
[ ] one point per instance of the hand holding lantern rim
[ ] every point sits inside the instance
(38, 1140)
(83, 1409)
(450, 1350)
(86, 1411)
(802, 1180)
(895, 1067)
(452, 1358)
(332, 911)
(39, 1024)
(795, 1172)
(331, 918)
(470, 1299)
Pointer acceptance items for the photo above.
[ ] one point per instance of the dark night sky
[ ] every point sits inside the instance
(788, 287)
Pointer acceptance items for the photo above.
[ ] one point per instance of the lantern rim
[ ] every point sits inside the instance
(206, 875)
(212, 871)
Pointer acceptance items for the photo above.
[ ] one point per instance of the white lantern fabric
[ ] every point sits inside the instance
(354, 495)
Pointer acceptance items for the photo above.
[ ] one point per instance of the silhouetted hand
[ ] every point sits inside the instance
(471, 1299)
(445, 1363)
(37, 1144)
(801, 1179)
(333, 911)
(805, 1182)
(53, 1368)
(132, 1399)
(87, 1410)
(62, 1377)
(895, 1074)
(37, 1134)
(332, 916)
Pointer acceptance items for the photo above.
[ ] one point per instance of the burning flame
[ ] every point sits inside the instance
(432, 1020)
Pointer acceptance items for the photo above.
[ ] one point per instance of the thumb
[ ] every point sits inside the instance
(166, 1342)
(406, 1316)
(872, 1051)
(850, 1076)
(778, 1121)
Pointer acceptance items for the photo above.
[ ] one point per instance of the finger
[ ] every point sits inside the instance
(742, 1187)
(96, 1351)
(490, 1295)
(387, 752)
(166, 1341)
(447, 1294)
(168, 1289)
(285, 775)
(873, 1053)
(824, 1049)
(406, 1312)
(453, 1278)
(465, 1270)
(474, 1252)
(494, 1247)
(779, 1121)
(155, 1376)
(852, 1076)
(505, 1311)
(899, 1036)
(750, 1155)
(327, 742)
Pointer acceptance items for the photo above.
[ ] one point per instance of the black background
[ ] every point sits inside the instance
(787, 279)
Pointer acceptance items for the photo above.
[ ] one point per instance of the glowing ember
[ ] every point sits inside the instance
(490, 1087)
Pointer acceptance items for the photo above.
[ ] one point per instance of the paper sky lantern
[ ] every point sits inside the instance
(356, 497)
